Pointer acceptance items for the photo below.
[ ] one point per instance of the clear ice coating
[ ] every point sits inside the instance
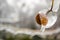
(52, 18)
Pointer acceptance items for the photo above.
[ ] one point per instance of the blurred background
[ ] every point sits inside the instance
(17, 20)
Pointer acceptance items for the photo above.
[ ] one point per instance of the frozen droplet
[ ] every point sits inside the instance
(51, 17)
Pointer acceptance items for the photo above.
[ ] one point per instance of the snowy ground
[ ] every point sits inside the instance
(16, 30)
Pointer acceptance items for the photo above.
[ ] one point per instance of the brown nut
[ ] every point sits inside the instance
(41, 20)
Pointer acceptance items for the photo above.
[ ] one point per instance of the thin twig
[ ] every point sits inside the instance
(51, 7)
